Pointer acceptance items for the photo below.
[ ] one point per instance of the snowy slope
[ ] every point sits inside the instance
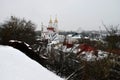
(14, 65)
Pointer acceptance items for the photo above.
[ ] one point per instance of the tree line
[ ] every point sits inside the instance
(17, 29)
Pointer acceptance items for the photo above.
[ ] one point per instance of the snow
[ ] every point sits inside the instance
(77, 37)
(14, 65)
(15, 41)
(88, 56)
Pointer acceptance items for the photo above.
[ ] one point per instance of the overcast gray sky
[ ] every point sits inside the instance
(72, 14)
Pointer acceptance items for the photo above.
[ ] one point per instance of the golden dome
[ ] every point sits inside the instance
(56, 21)
(50, 20)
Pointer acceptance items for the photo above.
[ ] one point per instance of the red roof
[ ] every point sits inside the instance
(50, 28)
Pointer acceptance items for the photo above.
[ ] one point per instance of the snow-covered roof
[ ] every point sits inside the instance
(77, 36)
(14, 65)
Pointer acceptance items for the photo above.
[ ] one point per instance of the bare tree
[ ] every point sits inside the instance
(17, 29)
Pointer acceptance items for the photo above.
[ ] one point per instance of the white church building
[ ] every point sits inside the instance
(50, 32)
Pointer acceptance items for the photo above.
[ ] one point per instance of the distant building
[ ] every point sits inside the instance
(50, 32)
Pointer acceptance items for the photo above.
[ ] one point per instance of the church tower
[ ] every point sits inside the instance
(50, 22)
(56, 24)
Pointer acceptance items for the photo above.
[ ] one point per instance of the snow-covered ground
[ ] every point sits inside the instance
(14, 65)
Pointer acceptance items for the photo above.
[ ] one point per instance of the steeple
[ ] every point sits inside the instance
(41, 26)
(56, 24)
(56, 20)
(50, 22)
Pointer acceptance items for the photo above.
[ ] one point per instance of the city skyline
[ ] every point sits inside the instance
(71, 14)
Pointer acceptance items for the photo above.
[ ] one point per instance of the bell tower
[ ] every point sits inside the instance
(50, 22)
(56, 24)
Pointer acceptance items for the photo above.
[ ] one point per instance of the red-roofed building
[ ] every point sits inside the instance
(51, 31)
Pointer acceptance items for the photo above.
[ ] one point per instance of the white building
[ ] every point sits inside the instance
(50, 32)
